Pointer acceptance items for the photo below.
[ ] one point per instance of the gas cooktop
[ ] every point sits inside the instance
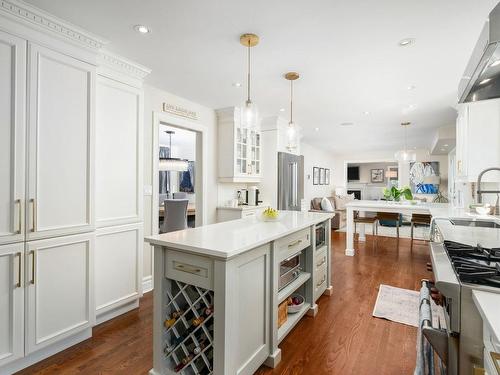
(475, 264)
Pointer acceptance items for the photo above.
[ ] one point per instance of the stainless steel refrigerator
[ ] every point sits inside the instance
(290, 181)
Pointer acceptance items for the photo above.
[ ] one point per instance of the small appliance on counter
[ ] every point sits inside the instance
(242, 195)
(253, 196)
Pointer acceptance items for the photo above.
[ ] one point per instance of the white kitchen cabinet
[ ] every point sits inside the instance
(240, 149)
(118, 269)
(119, 120)
(478, 140)
(59, 289)
(11, 303)
(12, 137)
(61, 146)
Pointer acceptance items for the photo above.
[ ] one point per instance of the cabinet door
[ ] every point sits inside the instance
(249, 280)
(462, 139)
(59, 287)
(118, 266)
(12, 137)
(11, 303)
(60, 144)
(118, 153)
(483, 139)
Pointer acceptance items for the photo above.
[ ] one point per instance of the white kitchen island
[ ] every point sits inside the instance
(216, 291)
(406, 208)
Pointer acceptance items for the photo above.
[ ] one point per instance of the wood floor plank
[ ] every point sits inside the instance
(343, 338)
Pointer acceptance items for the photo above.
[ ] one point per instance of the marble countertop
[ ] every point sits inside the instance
(488, 305)
(403, 205)
(231, 238)
(242, 207)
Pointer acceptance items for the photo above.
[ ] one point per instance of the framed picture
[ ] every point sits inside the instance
(327, 176)
(322, 176)
(315, 176)
(377, 175)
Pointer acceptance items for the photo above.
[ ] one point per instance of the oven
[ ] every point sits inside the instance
(289, 270)
(320, 230)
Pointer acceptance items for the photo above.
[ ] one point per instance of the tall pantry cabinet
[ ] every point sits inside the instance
(70, 184)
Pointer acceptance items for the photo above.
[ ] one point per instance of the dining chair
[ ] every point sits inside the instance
(420, 219)
(175, 217)
(367, 219)
(392, 217)
(179, 195)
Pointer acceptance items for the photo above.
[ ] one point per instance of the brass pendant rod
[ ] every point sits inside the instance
(248, 76)
(291, 102)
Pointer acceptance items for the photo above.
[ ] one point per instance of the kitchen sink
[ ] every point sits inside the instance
(475, 223)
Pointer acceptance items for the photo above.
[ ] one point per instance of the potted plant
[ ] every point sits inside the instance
(395, 194)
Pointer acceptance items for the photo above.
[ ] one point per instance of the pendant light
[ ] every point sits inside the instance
(292, 129)
(249, 111)
(172, 164)
(405, 155)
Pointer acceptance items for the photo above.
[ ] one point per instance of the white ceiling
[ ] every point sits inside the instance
(346, 52)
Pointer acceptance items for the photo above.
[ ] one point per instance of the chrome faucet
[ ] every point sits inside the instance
(481, 192)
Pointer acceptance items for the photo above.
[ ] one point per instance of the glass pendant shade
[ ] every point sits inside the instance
(291, 134)
(249, 115)
(172, 164)
(405, 156)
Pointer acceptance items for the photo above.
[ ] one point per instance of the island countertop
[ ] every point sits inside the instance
(231, 238)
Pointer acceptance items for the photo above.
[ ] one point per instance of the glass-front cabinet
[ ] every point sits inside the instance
(239, 149)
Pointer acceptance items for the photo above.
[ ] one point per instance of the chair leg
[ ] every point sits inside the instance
(412, 224)
(397, 229)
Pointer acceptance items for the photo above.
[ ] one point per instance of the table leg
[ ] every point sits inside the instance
(350, 232)
(362, 226)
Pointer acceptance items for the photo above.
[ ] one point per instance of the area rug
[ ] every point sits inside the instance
(420, 233)
(401, 306)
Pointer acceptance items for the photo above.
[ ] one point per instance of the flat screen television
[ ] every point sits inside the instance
(352, 173)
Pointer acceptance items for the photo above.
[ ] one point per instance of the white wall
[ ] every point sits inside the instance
(153, 102)
(314, 157)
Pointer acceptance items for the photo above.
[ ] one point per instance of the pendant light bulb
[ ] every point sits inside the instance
(249, 111)
(292, 135)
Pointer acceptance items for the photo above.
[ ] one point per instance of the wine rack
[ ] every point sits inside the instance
(188, 329)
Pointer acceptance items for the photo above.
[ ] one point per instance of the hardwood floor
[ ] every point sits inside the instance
(342, 339)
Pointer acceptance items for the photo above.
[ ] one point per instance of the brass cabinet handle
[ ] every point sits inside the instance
(33, 202)
(295, 243)
(19, 212)
(32, 281)
(323, 261)
(187, 268)
(19, 269)
(322, 281)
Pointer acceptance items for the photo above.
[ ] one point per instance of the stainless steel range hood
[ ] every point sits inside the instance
(481, 79)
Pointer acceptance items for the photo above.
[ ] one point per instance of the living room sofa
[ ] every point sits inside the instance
(338, 204)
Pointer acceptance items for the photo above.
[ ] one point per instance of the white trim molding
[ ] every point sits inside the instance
(23, 12)
(122, 65)
(147, 284)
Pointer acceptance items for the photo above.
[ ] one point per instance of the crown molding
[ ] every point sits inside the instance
(46, 22)
(122, 65)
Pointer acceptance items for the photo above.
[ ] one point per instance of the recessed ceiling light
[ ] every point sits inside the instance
(443, 149)
(495, 63)
(406, 42)
(316, 129)
(366, 112)
(142, 29)
(347, 124)
(237, 84)
(282, 109)
(445, 145)
(412, 87)
(485, 81)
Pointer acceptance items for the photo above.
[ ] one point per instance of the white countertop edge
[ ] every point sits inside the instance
(242, 207)
(155, 240)
(488, 305)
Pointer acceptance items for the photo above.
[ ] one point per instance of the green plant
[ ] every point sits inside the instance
(395, 194)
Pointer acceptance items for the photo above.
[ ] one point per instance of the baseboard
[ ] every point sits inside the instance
(147, 283)
(41, 354)
(113, 313)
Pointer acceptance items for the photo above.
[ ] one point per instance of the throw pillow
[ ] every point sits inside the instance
(326, 205)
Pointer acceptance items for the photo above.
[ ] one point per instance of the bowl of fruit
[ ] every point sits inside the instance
(270, 214)
(295, 303)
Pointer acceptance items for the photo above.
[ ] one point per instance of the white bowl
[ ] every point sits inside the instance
(483, 210)
(292, 309)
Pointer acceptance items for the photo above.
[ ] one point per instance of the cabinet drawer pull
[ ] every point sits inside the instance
(19, 212)
(295, 243)
(32, 281)
(19, 269)
(33, 202)
(321, 282)
(323, 261)
(187, 268)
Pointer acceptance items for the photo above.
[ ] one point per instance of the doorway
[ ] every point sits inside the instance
(189, 144)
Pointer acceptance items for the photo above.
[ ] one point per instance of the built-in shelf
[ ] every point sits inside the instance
(291, 321)
(287, 291)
